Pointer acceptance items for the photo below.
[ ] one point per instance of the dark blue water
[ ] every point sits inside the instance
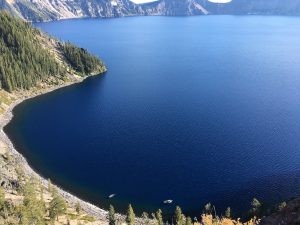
(194, 109)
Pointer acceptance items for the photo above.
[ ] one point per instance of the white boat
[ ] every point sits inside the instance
(112, 195)
(168, 201)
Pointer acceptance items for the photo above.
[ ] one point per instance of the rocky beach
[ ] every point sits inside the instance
(11, 159)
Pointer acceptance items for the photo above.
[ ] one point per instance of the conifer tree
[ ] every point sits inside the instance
(159, 218)
(179, 217)
(2, 198)
(78, 207)
(111, 216)
(228, 212)
(145, 217)
(281, 206)
(130, 216)
(256, 209)
(50, 186)
(31, 211)
(208, 208)
(255, 204)
(57, 206)
(188, 221)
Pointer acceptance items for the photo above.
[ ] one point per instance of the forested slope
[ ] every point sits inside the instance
(28, 57)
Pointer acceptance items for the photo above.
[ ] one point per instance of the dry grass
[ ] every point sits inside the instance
(5, 100)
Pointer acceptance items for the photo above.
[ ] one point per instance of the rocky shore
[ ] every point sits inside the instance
(8, 176)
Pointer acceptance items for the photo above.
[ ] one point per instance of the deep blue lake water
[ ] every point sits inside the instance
(194, 109)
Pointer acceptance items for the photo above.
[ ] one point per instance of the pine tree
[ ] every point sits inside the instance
(78, 207)
(281, 206)
(188, 221)
(2, 199)
(31, 210)
(3, 213)
(159, 218)
(111, 216)
(145, 217)
(50, 186)
(57, 207)
(255, 204)
(130, 216)
(208, 208)
(228, 212)
(256, 207)
(179, 217)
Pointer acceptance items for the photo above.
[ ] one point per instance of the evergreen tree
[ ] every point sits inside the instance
(9, 214)
(31, 211)
(281, 206)
(78, 207)
(208, 208)
(42, 200)
(145, 217)
(2, 199)
(50, 186)
(228, 212)
(188, 221)
(111, 216)
(256, 209)
(255, 204)
(159, 218)
(57, 207)
(179, 217)
(130, 216)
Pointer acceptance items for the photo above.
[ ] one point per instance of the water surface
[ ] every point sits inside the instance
(194, 109)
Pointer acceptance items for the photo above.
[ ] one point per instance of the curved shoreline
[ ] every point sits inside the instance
(89, 208)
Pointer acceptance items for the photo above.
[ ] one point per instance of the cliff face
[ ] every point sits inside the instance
(174, 8)
(45, 10)
(260, 7)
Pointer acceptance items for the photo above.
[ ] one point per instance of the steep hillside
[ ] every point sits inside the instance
(290, 214)
(45, 10)
(260, 7)
(28, 57)
(174, 8)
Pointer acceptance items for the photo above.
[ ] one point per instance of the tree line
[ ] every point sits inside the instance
(33, 210)
(208, 216)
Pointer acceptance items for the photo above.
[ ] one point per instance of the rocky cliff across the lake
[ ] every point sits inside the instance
(48, 10)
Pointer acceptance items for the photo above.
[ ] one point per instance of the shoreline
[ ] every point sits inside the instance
(7, 116)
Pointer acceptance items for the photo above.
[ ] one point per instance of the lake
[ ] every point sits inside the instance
(194, 109)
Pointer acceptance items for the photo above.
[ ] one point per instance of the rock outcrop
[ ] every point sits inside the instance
(290, 214)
